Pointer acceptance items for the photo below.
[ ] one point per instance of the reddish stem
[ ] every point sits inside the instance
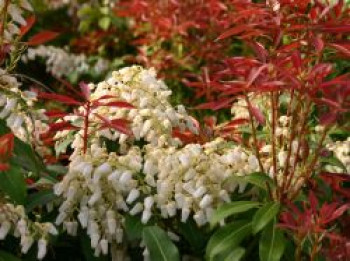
(86, 126)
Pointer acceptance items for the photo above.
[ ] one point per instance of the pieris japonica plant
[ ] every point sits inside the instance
(113, 170)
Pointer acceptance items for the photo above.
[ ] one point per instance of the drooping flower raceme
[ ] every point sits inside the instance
(13, 220)
(15, 11)
(18, 109)
(159, 178)
(61, 63)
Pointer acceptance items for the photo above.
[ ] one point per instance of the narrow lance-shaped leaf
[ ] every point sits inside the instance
(58, 97)
(236, 254)
(25, 28)
(42, 37)
(229, 209)
(233, 31)
(228, 237)
(272, 243)
(159, 245)
(265, 215)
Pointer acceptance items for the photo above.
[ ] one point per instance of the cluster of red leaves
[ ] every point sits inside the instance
(288, 53)
(82, 99)
(6, 148)
(180, 34)
(315, 221)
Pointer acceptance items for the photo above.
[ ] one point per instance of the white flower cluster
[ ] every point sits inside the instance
(17, 108)
(95, 191)
(194, 180)
(60, 63)
(13, 220)
(100, 187)
(15, 10)
(151, 119)
(341, 150)
(159, 178)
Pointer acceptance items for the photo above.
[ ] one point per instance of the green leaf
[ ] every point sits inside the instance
(235, 255)
(160, 247)
(4, 256)
(228, 237)
(13, 184)
(39, 199)
(229, 209)
(272, 244)
(259, 179)
(133, 227)
(264, 215)
(333, 161)
(193, 234)
(104, 22)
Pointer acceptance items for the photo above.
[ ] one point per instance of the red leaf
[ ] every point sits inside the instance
(328, 102)
(118, 124)
(313, 202)
(260, 51)
(55, 114)
(217, 105)
(233, 31)
(25, 28)
(336, 28)
(341, 48)
(120, 104)
(257, 114)
(254, 73)
(42, 37)
(296, 60)
(58, 97)
(328, 118)
(319, 43)
(236, 122)
(340, 211)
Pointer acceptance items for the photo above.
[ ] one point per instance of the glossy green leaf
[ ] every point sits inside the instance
(272, 243)
(235, 255)
(259, 179)
(264, 216)
(133, 227)
(229, 209)
(159, 245)
(13, 184)
(227, 237)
